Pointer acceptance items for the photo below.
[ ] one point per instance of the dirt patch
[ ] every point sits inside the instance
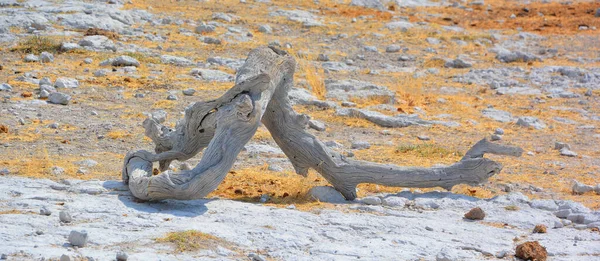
(552, 18)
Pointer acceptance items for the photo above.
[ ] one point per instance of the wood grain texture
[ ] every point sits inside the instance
(225, 125)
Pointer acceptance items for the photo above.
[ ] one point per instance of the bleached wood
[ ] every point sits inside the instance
(262, 86)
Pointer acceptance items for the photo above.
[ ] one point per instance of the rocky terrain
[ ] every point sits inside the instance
(411, 83)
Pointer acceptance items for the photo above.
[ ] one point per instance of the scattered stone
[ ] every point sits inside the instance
(256, 257)
(66, 83)
(567, 152)
(368, 4)
(540, 229)
(5, 87)
(57, 171)
(172, 97)
(65, 216)
(372, 49)
(528, 121)
(498, 115)
(545, 204)
(31, 58)
(531, 250)
(475, 214)
(316, 125)
(59, 98)
(326, 194)
(46, 57)
(122, 256)
(88, 61)
(392, 48)
(496, 137)
(188, 92)
(506, 56)
(264, 198)
(122, 60)
(561, 145)
(360, 145)
(423, 137)
(98, 43)
(211, 40)
(174, 60)
(372, 200)
(65, 257)
(265, 29)
(399, 25)
(203, 29)
(393, 201)
(597, 12)
(45, 211)
(323, 57)
(65, 47)
(78, 238)
(54, 125)
(275, 168)
(101, 73)
(458, 64)
(212, 75)
(580, 188)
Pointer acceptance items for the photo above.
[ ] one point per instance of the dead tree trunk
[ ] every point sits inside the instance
(225, 125)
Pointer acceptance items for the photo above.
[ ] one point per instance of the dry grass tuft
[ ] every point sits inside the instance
(118, 134)
(97, 31)
(192, 240)
(37, 44)
(427, 150)
(315, 77)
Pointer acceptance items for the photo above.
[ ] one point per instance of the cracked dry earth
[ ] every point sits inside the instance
(411, 83)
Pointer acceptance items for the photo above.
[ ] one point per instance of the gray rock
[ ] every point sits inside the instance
(57, 171)
(98, 43)
(458, 64)
(159, 116)
(44, 94)
(360, 145)
(122, 60)
(54, 125)
(392, 48)
(371, 200)
(222, 17)
(528, 121)
(122, 256)
(188, 92)
(45, 81)
(45, 211)
(65, 257)
(326, 194)
(369, 48)
(545, 204)
(101, 73)
(432, 40)
(561, 145)
(31, 58)
(506, 56)
(579, 188)
(275, 168)
(348, 89)
(203, 29)
(567, 152)
(316, 125)
(399, 26)
(174, 60)
(212, 75)
(66, 83)
(368, 4)
(5, 87)
(423, 137)
(323, 57)
(496, 137)
(78, 238)
(393, 201)
(87, 163)
(46, 57)
(598, 12)
(211, 40)
(88, 61)
(498, 115)
(4, 171)
(265, 29)
(59, 98)
(172, 97)
(65, 47)
(65, 216)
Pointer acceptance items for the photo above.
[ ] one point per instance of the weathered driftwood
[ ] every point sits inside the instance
(261, 94)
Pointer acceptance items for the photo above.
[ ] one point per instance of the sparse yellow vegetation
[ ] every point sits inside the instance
(427, 150)
(192, 240)
(37, 44)
(118, 134)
